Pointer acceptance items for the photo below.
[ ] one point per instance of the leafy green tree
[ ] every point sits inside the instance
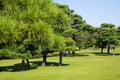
(107, 36)
(37, 23)
(59, 45)
(70, 45)
(85, 35)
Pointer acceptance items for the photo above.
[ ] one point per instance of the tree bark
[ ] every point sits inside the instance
(44, 62)
(23, 65)
(113, 51)
(73, 52)
(28, 63)
(68, 52)
(60, 58)
(79, 48)
(102, 49)
(108, 50)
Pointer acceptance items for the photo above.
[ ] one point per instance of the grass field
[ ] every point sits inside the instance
(86, 65)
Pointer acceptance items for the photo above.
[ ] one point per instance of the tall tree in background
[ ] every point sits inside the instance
(86, 34)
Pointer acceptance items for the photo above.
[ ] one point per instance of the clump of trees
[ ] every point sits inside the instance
(41, 27)
(107, 37)
(32, 27)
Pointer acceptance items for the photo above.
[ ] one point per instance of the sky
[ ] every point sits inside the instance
(95, 12)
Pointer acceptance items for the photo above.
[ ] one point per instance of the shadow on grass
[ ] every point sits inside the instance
(117, 54)
(53, 55)
(94, 53)
(34, 65)
(38, 63)
(81, 55)
(105, 54)
(15, 68)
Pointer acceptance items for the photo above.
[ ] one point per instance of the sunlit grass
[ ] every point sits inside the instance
(86, 65)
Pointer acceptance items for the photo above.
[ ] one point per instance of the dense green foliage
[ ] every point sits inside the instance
(32, 27)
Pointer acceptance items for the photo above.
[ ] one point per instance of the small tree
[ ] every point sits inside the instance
(70, 45)
(107, 36)
(59, 45)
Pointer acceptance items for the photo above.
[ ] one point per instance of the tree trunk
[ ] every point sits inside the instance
(23, 65)
(68, 52)
(102, 49)
(60, 58)
(73, 52)
(79, 48)
(44, 62)
(108, 50)
(28, 63)
(113, 51)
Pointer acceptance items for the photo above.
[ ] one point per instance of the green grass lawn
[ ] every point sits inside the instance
(86, 65)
